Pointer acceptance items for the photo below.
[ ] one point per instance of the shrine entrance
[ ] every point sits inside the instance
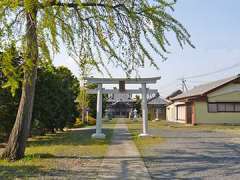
(122, 82)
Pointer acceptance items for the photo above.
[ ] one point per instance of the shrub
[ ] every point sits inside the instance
(91, 120)
(37, 128)
(150, 116)
(78, 123)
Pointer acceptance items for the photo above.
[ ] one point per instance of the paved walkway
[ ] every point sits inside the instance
(123, 160)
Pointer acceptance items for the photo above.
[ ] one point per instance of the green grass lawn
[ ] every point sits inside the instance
(142, 143)
(163, 124)
(205, 127)
(45, 154)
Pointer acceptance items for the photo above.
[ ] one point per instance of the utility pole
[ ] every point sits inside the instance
(184, 85)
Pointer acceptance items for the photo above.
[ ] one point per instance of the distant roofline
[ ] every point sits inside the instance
(174, 94)
(184, 96)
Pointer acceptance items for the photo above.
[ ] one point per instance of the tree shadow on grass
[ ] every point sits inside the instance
(76, 137)
(26, 172)
(9, 172)
(209, 159)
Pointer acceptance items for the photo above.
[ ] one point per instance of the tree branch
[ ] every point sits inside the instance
(76, 5)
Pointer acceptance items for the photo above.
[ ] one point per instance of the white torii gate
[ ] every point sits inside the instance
(121, 81)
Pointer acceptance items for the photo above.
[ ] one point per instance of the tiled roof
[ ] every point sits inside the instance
(157, 100)
(175, 93)
(204, 88)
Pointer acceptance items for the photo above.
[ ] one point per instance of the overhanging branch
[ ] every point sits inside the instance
(76, 5)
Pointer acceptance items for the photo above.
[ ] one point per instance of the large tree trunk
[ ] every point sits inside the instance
(17, 141)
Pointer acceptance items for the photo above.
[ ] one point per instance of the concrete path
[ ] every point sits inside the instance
(122, 160)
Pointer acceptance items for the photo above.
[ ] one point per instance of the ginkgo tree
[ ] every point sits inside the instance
(125, 32)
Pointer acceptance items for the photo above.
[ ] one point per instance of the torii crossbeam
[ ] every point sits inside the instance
(121, 81)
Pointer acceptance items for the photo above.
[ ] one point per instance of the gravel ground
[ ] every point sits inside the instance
(194, 154)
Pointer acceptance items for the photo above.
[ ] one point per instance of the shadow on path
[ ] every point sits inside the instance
(195, 155)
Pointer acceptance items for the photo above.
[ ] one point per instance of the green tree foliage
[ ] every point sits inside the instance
(138, 104)
(54, 107)
(9, 103)
(56, 91)
(98, 28)
(126, 33)
(8, 110)
(92, 101)
(83, 102)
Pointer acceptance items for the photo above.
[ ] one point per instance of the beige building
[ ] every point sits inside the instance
(213, 103)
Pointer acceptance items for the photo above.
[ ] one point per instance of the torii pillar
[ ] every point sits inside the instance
(144, 111)
(99, 134)
(121, 81)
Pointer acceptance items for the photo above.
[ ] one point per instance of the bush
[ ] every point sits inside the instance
(37, 128)
(150, 116)
(70, 124)
(78, 123)
(91, 120)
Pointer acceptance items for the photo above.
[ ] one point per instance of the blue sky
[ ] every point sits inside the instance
(215, 30)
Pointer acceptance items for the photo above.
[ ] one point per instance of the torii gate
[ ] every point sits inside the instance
(121, 81)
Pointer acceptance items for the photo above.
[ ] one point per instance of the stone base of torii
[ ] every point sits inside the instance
(121, 81)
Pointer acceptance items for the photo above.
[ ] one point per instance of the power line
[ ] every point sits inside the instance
(184, 82)
(214, 72)
(168, 85)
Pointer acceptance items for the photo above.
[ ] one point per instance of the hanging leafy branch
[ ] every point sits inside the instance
(125, 33)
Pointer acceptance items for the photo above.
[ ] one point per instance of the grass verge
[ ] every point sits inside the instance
(56, 155)
(143, 143)
(203, 127)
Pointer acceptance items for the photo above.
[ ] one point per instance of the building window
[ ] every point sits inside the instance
(223, 107)
(237, 107)
(229, 107)
(212, 107)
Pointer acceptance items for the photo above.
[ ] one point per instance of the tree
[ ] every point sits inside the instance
(92, 100)
(54, 105)
(104, 28)
(85, 64)
(69, 86)
(138, 105)
(83, 102)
